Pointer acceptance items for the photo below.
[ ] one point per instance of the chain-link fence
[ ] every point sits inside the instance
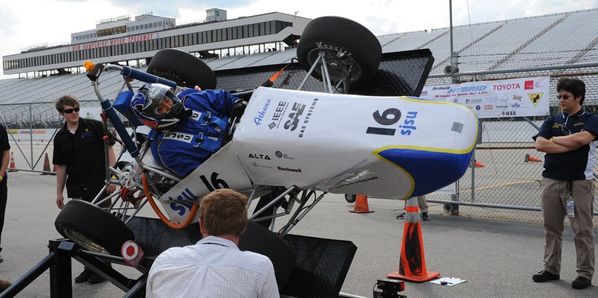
(505, 180)
(508, 185)
(31, 128)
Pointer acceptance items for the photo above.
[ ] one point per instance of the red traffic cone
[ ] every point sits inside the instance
(413, 261)
(361, 204)
(47, 170)
(531, 158)
(12, 167)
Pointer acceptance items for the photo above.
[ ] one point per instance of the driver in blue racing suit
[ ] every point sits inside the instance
(187, 128)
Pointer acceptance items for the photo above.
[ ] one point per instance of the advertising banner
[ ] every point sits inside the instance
(522, 97)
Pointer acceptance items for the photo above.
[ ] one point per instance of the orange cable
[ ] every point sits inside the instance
(161, 215)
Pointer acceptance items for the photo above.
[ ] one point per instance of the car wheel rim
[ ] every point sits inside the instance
(82, 240)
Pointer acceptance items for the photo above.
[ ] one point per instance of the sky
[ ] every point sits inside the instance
(26, 23)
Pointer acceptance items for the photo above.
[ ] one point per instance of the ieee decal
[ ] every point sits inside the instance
(278, 115)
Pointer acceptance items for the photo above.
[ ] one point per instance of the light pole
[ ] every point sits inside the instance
(452, 54)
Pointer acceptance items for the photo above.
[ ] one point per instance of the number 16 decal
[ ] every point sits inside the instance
(215, 182)
(388, 117)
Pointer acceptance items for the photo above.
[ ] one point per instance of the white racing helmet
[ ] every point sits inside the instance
(146, 101)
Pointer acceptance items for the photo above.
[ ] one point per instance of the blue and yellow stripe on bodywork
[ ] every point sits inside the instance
(418, 163)
(428, 169)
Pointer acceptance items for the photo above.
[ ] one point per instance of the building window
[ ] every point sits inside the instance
(256, 29)
(246, 31)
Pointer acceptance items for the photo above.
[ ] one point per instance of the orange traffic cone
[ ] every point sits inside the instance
(12, 167)
(47, 170)
(532, 158)
(478, 164)
(361, 204)
(413, 261)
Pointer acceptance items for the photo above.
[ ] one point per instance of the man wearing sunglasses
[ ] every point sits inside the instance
(569, 141)
(79, 159)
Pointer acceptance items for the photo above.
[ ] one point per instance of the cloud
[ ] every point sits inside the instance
(7, 15)
(172, 8)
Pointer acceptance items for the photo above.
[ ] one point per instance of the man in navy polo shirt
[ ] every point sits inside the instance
(568, 139)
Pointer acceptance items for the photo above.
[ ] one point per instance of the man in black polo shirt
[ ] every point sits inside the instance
(79, 157)
(568, 139)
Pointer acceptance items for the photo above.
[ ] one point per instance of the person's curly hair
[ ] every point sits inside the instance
(224, 211)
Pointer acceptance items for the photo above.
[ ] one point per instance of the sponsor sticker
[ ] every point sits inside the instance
(261, 114)
(287, 169)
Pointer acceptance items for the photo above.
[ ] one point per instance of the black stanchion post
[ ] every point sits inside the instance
(61, 284)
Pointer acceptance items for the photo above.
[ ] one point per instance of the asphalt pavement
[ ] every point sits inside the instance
(496, 258)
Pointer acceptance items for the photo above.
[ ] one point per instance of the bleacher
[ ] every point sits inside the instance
(550, 40)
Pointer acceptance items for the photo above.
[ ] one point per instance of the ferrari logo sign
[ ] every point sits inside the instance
(535, 98)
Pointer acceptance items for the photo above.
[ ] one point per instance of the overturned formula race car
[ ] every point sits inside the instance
(295, 145)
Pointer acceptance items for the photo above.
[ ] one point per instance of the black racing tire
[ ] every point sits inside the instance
(350, 198)
(347, 44)
(92, 228)
(183, 68)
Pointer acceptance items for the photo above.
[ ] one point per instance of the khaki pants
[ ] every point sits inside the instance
(554, 200)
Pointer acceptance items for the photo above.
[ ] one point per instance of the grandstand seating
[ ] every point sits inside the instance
(510, 36)
(556, 39)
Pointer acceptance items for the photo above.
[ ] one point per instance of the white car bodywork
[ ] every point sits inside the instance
(391, 147)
